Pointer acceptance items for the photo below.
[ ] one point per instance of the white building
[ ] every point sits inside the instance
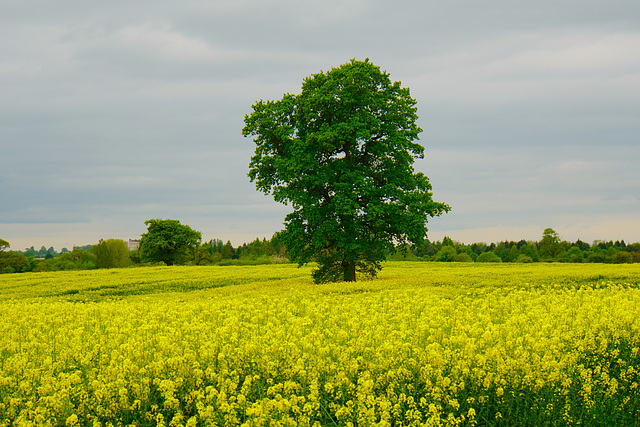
(133, 244)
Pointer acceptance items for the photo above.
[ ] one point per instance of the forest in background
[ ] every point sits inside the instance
(113, 253)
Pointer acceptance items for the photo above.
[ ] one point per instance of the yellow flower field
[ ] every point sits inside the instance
(429, 344)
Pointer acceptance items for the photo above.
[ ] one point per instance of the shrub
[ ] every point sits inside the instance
(12, 262)
(621, 258)
(488, 257)
(463, 257)
(446, 254)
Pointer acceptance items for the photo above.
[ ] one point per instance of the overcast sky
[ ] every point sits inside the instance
(112, 113)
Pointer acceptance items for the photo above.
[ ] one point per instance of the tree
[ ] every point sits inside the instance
(447, 241)
(13, 262)
(621, 257)
(168, 241)
(581, 245)
(462, 257)
(111, 253)
(574, 254)
(522, 258)
(206, 254)
(227, 251)
(77, 259)
(488, 257)
(446, 254)
(530, 250)
(341, 153)
(550, 244)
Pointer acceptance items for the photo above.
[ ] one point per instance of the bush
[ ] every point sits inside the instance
(402, 253)
(524, 258)
(77, 259)
(12, 262)
(446, 254)
(463, 257)
(598, 256)
(111, 253)
(621, 258)
(488, 257)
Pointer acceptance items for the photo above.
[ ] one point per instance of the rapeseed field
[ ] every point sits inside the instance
(426, 344)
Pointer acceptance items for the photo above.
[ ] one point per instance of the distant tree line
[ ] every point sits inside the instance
(113, 253)
(549, 249)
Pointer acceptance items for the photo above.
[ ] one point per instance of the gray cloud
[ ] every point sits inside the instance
(118, 112)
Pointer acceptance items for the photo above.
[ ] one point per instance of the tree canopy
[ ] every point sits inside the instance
(168, 241)
(550, 243)
(111, 253)
(341, 153)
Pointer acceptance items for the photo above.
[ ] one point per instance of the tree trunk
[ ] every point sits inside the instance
(349, 268)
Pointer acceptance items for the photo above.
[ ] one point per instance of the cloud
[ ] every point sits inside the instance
(581, 166)
(571, 54)
(155, 42)
(530, 69)
(607, 227)
(161, 43)
(116, 112)
(303, 13)
(51, 213)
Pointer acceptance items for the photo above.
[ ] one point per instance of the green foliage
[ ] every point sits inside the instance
(111, 253)
(531, 250)
(621, 258)
(168, 241)
(257, 252)
(552, 248)
(341, 153)
(227, 251)
(598, 256)
(77, 259)
(574, 254)
(462, 257)
(488, 257)
(402, 253)
(550, 244)
(204, 255)
(273, 251)
(446, 254)
(447, 241)
(134, 256)
(12, 262)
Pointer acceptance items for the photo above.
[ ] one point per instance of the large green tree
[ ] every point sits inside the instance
(341, 153)
(168, 241)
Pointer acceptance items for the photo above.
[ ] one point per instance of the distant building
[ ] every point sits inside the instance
(133, 244)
